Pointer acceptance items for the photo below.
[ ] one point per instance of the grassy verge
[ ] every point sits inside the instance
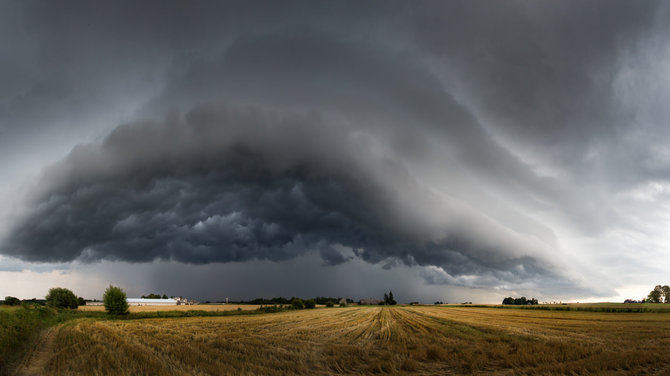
(19, 327)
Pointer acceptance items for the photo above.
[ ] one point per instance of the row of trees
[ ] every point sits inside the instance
(56, 298)
(114, 300)
(287, 301)
(297, 303)
(659, 294)
(519, 301)
(154, 296)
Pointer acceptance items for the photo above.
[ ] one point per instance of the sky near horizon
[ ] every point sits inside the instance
(453, 151)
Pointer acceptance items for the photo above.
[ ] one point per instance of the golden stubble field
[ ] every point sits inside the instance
(197, 307)
(367, 340)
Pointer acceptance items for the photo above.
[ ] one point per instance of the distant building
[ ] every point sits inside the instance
(185, 301)
(151, 302)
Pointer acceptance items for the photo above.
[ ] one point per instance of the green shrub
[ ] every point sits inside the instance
(297, 303)
(310, 303)
(271, 309)
(115, 301)
(59, 297)
(81, 301)
(10, 300)
(330, 304)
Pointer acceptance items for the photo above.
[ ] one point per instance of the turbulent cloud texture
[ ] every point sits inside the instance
(233, 184)
(488, 145)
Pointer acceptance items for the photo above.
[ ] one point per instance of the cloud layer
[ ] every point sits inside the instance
(503, 146)
(228, 184)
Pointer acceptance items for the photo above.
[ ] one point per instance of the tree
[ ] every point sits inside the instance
(81, 301)
(519, 301)
(388, 299)
(59, 297)
(115, 302)
(330, 304)
(165, 296)
(666, 293)
(310, 303)
(10, 300)
(297, 303)
(655, 294)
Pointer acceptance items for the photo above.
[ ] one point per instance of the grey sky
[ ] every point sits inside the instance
(442, 147)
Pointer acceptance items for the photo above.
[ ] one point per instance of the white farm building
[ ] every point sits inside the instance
(150, 302)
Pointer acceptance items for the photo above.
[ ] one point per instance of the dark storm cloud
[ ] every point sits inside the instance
(455, 136)
(228, 184)
(543, 71)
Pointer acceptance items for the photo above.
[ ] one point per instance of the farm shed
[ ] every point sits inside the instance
(150, 302)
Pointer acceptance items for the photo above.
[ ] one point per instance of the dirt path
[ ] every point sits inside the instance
(35, 361)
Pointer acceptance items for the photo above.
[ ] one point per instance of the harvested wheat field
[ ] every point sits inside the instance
(197, 307)
(367, 340)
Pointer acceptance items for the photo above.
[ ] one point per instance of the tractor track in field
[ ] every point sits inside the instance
(36, 359)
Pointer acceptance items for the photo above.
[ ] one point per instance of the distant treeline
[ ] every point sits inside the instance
(154, 296)
(519, 301)
(12, 301)
(282, 300)
(586, 308)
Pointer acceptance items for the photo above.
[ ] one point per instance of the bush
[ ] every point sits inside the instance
(310, 303)
(271, 309)
(297, 303)
(81, 301)
(330, 304)
(10, 300)
(59, 297)
(115, 301)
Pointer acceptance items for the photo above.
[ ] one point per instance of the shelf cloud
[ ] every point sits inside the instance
(507, 146)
